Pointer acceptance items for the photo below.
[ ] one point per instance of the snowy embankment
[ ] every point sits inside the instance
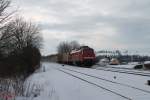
(115, 66)
(51, 83)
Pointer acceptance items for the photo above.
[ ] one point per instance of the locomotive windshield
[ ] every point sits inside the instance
(88, 51)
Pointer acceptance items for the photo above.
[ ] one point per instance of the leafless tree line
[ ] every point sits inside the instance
(20, 42)
(67, 47)
(19, 34)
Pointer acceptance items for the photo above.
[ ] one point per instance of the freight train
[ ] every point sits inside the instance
(84, 56)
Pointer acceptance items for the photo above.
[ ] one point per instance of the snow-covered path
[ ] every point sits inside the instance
(52, 84)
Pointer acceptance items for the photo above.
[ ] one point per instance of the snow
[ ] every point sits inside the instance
(134, 80)
(133, 63)
(105, 62)
(147, 62)
(51, 84)
(128, 66)
(126, 91)
(122, 66)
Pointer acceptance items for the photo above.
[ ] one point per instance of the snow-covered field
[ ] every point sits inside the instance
(57, 82)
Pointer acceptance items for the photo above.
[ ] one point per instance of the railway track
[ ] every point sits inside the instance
(97, 85)
(104, 79)
(65, 70)
(124, 70)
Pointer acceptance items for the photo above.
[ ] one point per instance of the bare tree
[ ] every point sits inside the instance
(22, 48)
(74, 45)
(21, 34)
(64, 47)
(4, 18)
(4, 4)
(20, 43)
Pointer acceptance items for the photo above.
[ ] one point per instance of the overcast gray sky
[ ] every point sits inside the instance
(101, 24)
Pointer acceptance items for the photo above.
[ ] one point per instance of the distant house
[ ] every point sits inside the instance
(104, 62)
(114, 61)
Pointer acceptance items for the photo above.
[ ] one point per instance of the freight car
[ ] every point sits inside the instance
(84, 56)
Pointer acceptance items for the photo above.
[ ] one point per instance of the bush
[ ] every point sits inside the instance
(21, 54)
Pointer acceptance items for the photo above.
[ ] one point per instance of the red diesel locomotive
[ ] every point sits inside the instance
(84, 56)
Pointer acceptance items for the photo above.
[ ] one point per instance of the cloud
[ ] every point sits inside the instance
(98, 23)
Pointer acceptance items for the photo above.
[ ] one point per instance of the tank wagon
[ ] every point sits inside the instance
(84, 56)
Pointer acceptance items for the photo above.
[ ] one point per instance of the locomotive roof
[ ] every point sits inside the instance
(80, 49)
(76, 50)
(84, 46)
